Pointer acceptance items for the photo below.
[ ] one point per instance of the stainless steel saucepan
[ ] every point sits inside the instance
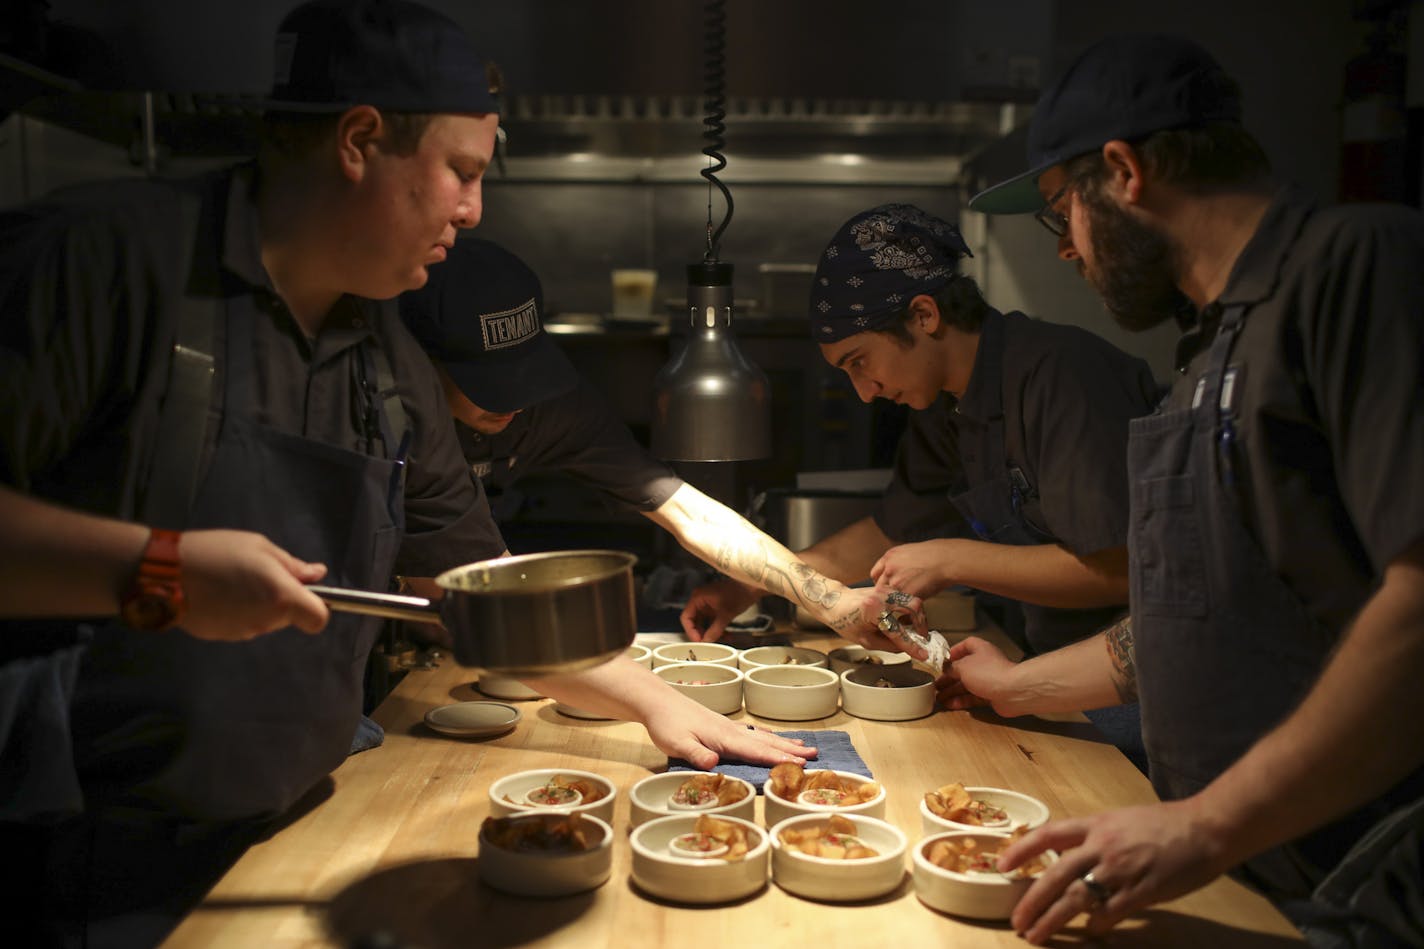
(529, 615)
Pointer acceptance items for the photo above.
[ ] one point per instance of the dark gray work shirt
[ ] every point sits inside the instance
(1329, 394)
(90, 281)
(1067, 397)
(578, 434)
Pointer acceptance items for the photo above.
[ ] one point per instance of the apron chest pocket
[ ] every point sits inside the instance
(1167, 546)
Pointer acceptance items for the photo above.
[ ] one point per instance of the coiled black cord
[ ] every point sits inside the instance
(714, 74)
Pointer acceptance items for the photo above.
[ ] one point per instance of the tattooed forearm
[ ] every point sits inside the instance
(1122, 653)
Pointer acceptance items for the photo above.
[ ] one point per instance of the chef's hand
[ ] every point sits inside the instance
(860, 618)
(712, 606)
(1140, 855)
(702, 737)
(918, 569)
(977, 673)
(240, 585)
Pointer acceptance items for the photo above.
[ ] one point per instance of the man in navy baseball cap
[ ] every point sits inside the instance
(395, 55)
(1125, 87)
(1276, 523)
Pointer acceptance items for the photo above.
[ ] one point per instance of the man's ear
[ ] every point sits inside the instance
(357, 131)
(1124, 166)
(924, 313)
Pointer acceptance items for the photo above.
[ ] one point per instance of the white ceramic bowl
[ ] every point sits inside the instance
(696, 879)
(780, 656)
(910, 695)
(851, 657)
(840, 881)
(717, 686)
(539, 873)
(720, 653)
(791, 693)
(640, 654)
(1023, 811)
(649, 799)
(776, 808)
(503, 687)
(509, 794)
(975, 895)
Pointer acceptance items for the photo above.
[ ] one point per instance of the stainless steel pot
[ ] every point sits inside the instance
(534, 614)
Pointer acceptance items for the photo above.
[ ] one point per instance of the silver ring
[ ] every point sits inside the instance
(897, 598)
(1098, 891)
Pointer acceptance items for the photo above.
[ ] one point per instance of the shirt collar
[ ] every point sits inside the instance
(1257, 271)
(983, 397)
(351, 319)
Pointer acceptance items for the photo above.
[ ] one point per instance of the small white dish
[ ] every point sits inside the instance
(498, 686)
(683, 879)
(909, 694)
(715, 685)
(669, 653)
(791, 693)
(1022, 810)
(545, 873)
(509, 794)
(776, 808)
(990, 895)
(651, 798)
(473, 719)
(641, 654)
(839, 881)
(851, 657)
(781, 656)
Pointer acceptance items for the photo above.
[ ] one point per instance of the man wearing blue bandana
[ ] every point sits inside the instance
(1010, 478)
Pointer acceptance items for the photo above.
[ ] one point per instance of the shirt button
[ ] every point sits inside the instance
(357, 322)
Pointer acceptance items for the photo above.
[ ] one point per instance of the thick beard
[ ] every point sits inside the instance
(1133, 267)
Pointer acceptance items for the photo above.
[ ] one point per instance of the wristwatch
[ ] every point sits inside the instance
(155, 599)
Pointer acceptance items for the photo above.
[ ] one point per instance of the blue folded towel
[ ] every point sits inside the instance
(835, 753)
(368, 735)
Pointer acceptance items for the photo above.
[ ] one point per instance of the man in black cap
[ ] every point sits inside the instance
(1008, 478)
(521, 407)
(1276, 641)
(203, 408)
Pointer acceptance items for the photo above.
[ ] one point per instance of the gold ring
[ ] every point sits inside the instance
(888, 623)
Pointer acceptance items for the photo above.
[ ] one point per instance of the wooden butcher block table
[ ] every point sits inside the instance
(387, 857)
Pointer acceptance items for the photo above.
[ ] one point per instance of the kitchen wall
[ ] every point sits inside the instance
(793, 54)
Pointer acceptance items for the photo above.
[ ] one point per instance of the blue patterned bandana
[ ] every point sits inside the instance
(876, 264)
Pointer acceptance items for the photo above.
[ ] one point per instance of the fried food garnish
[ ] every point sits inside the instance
(546, 833)
(953, 803)
(981, 855)
(733, 835)
(790, 780)
(700, 789)
(834, 840)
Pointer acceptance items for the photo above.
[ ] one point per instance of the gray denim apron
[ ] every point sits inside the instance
(216, 738)
(1224, 649)
(995, 507)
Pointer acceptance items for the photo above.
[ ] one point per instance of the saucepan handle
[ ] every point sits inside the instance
(417, 609)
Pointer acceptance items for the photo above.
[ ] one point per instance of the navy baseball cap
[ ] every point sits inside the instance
(481, 316)
(877, 262)
(397, 55)
(1125, 87)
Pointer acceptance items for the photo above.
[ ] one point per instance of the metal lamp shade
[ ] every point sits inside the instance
(711, 403)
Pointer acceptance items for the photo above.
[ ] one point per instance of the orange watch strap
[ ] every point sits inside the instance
(155, 599)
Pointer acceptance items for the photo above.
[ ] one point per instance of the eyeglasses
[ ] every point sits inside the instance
(1056, 222)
